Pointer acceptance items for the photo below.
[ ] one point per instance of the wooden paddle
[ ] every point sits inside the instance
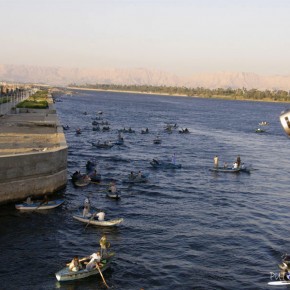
(90, 220)
(97, 266)
(39, 205)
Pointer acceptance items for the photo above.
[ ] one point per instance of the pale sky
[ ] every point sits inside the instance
(178, 36)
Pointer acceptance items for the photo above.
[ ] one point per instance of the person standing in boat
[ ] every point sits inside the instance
(87, 208)
(238, 161)
(104, 245)
(132, 175)
(113, 188)
(173, 159)
(216, 161)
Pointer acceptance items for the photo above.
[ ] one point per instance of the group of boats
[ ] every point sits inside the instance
(262, 130)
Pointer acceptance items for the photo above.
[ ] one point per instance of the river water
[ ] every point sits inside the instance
(187, 228)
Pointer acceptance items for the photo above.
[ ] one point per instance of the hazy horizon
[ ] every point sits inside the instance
(180, 37)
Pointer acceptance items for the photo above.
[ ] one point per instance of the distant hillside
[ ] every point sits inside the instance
(140, 76)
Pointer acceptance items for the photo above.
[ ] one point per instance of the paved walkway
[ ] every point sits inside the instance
(27, 132)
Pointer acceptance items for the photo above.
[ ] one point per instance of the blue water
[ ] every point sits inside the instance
(187, 228)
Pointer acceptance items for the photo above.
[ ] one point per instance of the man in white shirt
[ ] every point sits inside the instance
(95, 259)
(101, 216)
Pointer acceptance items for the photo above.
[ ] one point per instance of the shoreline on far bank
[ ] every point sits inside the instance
(221, 97)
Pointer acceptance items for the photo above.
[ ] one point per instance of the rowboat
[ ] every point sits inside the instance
(259, 130)
(103, 145)
(83, 181)
(115, 195)
(135, 178)
(157, 140)
(95, 222)
(165, 165)
(66, 274)
(39, 205)
(227, 170)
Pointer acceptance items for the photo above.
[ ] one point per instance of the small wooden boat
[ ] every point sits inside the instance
(105, 128)
(95, 222)
(226, 170)
(145, 131)
(96, 128)
(126, 130)
(66, 274)
(119, 142)
(259, 130)
(116, 195)
(39, 205)
(184, 131)
(136, 179)
(157, 140)
(95, 177)
(163, 164)
(105, 145)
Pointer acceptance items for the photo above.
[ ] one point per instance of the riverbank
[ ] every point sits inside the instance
(222, 97)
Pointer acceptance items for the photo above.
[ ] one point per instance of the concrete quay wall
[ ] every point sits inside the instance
(32, 174)
(33, 155)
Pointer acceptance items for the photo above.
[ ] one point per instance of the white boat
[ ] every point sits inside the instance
(66, 274)
(279, 283)
(95, 222)
(116, 195)
(39, 205)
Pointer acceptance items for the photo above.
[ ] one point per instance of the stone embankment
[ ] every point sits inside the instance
(33, 154)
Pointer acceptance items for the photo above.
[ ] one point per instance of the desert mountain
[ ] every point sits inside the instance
(139, 76)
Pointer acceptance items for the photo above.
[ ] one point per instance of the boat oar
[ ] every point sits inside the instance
(97, 266)
(90, 219)
(39, 205)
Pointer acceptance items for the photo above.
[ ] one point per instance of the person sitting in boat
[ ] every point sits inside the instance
(87, 208)
(132, 175)
(75, 264)
(28, 200)
(235, 165)
(155, 161)
(113, 188)
(45, 200)
(225, 165)
(101, 216)
(139, 175)
(104, 245)
(95, 260)
(130, 130)
(76, 175)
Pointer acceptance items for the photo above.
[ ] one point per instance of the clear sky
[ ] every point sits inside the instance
(178, 36)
